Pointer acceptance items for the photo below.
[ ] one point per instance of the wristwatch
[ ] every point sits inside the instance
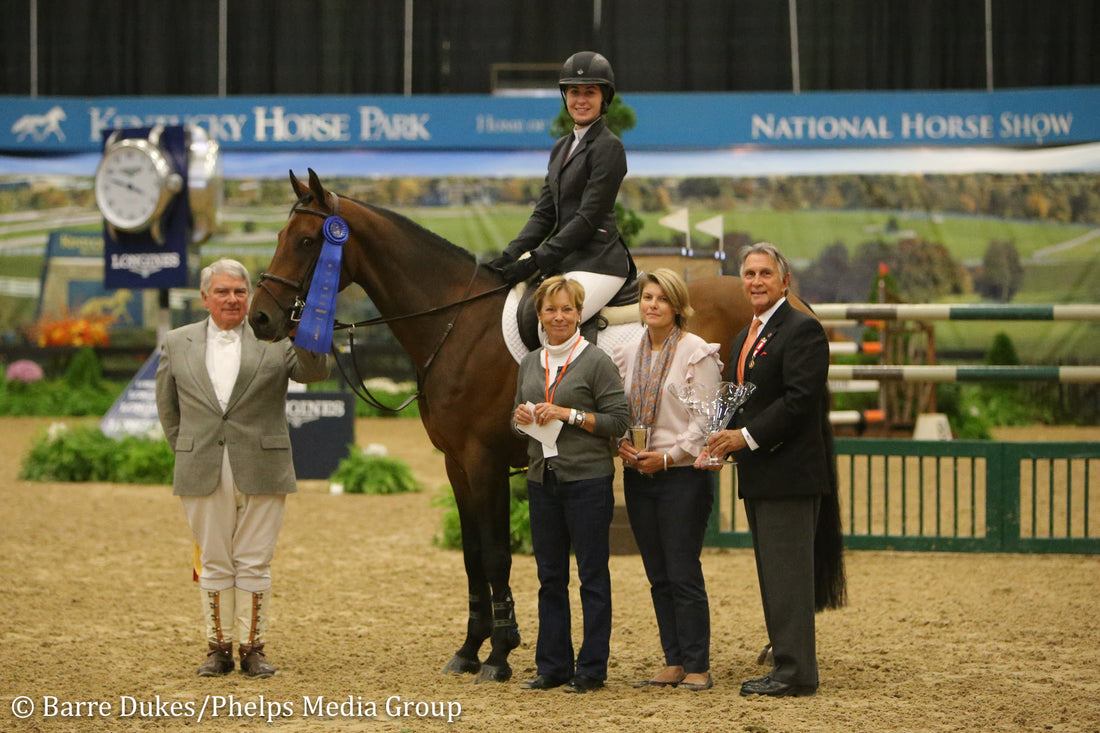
(135, 183)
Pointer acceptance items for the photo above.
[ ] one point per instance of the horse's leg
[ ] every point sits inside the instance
(479, 623)
(496, 555)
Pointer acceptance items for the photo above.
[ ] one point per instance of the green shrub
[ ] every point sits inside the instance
(450, 528)
(363, 472)
(973, 409)
(966, 419)
(81, 392)
(86, 454)
(57, 398)
(84, 369)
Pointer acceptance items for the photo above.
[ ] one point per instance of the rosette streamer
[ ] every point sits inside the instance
(319, 315)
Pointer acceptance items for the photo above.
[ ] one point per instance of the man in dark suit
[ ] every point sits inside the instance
(572, 230)
(782, 463)
(221, 397)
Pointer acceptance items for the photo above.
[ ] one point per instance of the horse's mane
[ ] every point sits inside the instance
(410, 227)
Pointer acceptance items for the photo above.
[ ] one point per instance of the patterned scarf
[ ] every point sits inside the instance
(645, 393)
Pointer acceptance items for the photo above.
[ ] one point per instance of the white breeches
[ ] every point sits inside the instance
(236, 533)
(598, 290)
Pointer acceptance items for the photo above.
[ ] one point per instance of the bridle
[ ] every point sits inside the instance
(301, 288)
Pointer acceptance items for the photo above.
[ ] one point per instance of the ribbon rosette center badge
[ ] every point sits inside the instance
(336, 230)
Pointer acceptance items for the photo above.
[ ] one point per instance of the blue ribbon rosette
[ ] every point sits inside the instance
(319, 315)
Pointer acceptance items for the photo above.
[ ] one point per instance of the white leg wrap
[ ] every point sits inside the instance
(252, 610)
(218, 609)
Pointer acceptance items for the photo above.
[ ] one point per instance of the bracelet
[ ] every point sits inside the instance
(572, 416)
(665, 457)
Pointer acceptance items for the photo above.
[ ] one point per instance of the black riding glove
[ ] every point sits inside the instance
(499, 263)
(520, 270)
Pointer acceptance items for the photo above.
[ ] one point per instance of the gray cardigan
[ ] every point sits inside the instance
(591, 383)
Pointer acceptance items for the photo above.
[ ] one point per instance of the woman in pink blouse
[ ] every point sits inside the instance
(668, 500)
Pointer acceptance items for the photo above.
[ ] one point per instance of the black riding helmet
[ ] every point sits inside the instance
(588, 67)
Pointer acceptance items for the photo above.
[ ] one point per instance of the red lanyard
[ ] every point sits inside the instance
(550, 392)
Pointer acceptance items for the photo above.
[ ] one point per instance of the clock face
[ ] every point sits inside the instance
(130, 183)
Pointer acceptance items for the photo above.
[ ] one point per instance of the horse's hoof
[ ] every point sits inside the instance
(494, 673)
(461, 665)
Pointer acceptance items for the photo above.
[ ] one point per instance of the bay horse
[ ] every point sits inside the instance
(445, 310)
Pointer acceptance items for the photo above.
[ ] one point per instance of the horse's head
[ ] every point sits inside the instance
(277, 304)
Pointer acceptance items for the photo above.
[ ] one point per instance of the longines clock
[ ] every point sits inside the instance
(135, 183)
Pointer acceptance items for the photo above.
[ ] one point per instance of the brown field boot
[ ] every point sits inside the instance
(219, 661)
(253, 662)
(219, 612)
(252, 611)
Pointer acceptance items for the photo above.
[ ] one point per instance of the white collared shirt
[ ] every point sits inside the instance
(223, 359)
(764, 317)
(578, 133)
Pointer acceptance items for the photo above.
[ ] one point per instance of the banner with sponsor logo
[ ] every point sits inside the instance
(322, 427)
(1029, 117)
(135, 260)
(72, 283)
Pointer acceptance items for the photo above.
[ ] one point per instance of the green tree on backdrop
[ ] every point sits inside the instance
(1001, 274)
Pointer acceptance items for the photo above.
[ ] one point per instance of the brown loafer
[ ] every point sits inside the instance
(253, 662)
(219, 661)
(697, 686)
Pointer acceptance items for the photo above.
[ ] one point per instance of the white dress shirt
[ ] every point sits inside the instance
(223, 359)
(764, 317)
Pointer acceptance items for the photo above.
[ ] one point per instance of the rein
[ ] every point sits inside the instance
(360, 391)
(357, 386)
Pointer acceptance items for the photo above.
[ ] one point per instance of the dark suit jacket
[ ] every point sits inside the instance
(573, 224)
(789, 364)
(253, 426)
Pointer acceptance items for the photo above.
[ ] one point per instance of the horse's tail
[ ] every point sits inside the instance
(830, 580)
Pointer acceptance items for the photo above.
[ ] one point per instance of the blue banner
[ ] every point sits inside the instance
(667, 121)
(135, 410)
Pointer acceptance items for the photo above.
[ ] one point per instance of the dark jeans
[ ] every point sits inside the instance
(669, 514)
(572, 515)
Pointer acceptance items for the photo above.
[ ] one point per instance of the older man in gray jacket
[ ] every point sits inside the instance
(221, 396)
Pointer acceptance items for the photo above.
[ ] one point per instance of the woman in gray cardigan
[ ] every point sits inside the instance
(571, 406)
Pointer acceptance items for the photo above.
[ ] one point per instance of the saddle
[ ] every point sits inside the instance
(622, 308)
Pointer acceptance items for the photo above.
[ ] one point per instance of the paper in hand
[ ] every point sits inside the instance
(546, 434)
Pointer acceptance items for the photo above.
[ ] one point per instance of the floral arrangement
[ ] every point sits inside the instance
(70, 330)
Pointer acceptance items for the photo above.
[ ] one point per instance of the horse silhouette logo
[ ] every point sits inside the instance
(40, 127)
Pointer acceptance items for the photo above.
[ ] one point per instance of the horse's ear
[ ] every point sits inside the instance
(296, 185)
(316, 187)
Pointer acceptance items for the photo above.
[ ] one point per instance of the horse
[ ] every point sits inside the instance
(39, 127)
(445, 309)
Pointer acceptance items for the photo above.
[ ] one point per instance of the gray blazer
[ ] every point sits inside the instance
(253, 426)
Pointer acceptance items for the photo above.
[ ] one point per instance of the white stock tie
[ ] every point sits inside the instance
(223, 361)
